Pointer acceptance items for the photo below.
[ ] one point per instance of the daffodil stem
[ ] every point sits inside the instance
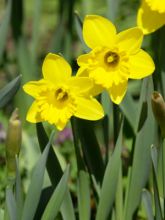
(115, 121)
(80, 164)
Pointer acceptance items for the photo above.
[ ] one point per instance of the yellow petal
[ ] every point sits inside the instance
(55, 68)
(33, 114)
(89, 109)
(149, 20)
(33, 87)
(98, 31)
(84, 59)
(130, 40)
(141, 65)
(83, 71)
(80, 84)
(117, 92)
(60, 125)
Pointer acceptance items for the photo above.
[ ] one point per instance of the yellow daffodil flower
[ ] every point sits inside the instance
(58, 95)
(114, 58)
(151, 15)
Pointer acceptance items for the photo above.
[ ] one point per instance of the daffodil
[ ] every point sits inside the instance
(151, 15)
(58, 96)
(114, 58)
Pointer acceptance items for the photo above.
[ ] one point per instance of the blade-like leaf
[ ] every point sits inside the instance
(4, 28)
(109, 185)
(55, 173)
(147, 202)
(141, 159)
(7, 93)
(35, 188)
(91, 149)
(158, 211)
(11, 204)
(84, 196)
(55, 201)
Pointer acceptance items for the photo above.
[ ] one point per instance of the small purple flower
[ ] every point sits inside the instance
(2, 134)
(65, 135)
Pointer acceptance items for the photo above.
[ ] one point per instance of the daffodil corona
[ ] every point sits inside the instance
(58, 96)
(151, 15)
(114, 58)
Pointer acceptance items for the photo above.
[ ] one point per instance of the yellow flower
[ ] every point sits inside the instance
(151, 15)
(114, 57)
(58, 95)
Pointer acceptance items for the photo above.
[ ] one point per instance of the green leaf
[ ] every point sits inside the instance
(36, 25)
(1, 214)
(113, 7)
(83, 196)
(141, 160)
(129, 109)
(4, 28)
(18, 192)
(55, 201)
(79, 25)
(110, 181)
(35, 188)
(7, 93)
(91, 149)
(154, 156)
(55, 173)
(147, 202)
(11, 204)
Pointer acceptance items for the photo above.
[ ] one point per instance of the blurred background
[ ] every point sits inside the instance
(29, 29)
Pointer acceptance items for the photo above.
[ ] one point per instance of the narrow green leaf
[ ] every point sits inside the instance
(11, 204)
(18, 192)
(35, 188)
(91, 149)
(141, 159)
(83, 196)
(110, 181)
(158, 211)
(1, 214)
(79, 25)
(36, 25)
(129, 109)
(4, 28)
(7, 93)
(119, 197)
(55, 173)
(113, 7)
(55, 201)
(147, 202)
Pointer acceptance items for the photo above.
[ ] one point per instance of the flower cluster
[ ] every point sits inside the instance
(114, 58)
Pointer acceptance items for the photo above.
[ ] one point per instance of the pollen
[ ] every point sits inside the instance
(61, 95)
(111, 58)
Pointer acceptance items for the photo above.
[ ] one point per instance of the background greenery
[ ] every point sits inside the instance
(119, 185)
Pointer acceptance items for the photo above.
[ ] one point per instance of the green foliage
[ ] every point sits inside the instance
(118, 162)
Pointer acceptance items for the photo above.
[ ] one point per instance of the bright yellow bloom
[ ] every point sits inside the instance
(114, 57)
(151, 15)
(58, 95)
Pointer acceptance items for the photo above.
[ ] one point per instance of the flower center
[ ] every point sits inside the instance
(111, 58)
(156, 5)
(61, 95)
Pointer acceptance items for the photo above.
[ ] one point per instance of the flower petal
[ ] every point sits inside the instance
(55, 68)
(149, 20)
(141, 65)
(80, 85)
(98, 31)
(33, 87)
(117, 92)
(130, 40)
(89, 109)
(33, 115)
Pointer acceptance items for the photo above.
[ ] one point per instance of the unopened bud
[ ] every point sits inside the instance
(158, 107)
(13, 142)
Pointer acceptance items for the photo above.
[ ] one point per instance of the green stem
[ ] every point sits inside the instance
(163, 172)
(80, 163)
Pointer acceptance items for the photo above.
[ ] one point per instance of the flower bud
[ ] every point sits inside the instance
(13, 142)
(158, 108)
